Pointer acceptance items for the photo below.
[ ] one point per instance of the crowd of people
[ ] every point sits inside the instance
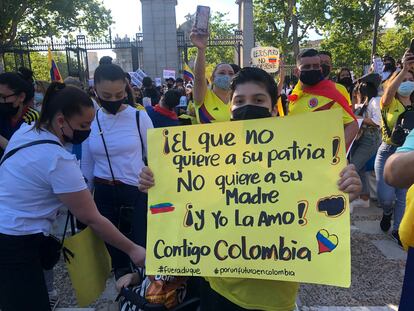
(85, 149)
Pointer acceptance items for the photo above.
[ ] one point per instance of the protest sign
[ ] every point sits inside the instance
(137, 77)
(266, 58)
(168, 74)
(157, 81)
(250, 199)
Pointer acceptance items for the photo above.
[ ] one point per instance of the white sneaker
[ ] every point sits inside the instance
(360, 203)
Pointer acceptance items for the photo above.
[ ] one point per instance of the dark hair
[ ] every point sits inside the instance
(236, 68)
(16, 83)
(69, 100)
(307, 53)
(327, 53)
(389, 59)
(171, 98)
(105, 60)
(367, 91)
(344, 69)
(109, 72)
(130, 95)
(128, 76)
(257, 76)
(216, 68)
(179, 80)
(147, 82)
(26, 74)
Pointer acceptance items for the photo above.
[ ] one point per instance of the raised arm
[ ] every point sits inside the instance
(199, 39)
(391, 90)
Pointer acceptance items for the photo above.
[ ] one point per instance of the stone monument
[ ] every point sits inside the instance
(159, 36)
(246, 25)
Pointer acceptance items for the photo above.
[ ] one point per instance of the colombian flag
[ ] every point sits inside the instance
(188, 73)
(273, 59)
(54, 70)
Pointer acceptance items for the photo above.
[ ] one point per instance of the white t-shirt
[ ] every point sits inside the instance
(373, 110)
(30, 181)
(123, 142)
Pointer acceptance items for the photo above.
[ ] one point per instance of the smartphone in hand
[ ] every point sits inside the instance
(202, 18)
(411, 50)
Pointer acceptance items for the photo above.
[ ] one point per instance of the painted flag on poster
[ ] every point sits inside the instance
(188, 73)
(54, 70)
(273, 59)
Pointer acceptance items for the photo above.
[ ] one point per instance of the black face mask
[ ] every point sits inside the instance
(7, 111)
(79, 136)
(389, 67)
(112, 106)
(249, 112)
(345, 81)
(311, 77)
(326, 70)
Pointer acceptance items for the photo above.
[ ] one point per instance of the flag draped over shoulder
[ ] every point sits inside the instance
(188, 73)
(54, 70)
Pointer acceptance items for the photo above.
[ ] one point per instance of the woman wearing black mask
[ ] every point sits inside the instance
(113, 157)
(345, 79)
(37, 178)
(15, 96)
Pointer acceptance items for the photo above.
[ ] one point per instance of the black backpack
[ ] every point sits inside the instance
(403, 126)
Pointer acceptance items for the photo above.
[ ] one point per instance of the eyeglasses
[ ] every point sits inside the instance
(7, 96)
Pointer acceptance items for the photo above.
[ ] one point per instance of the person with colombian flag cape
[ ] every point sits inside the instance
(313, 94)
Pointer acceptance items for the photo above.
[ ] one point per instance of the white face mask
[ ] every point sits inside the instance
(406, 88)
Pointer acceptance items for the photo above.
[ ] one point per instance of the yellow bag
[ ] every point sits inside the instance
(88, 264)
(406, 230)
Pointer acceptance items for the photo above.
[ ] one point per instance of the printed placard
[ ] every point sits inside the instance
(168, 74)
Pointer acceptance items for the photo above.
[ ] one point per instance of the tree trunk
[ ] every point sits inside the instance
(1, 63)
(295, 40)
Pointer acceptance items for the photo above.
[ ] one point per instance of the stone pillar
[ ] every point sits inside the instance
(246, 25)
(159, 36)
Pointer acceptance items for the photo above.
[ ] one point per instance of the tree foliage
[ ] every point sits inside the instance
(43, 18)
(348, 29)
(346, 26)
(285, 24)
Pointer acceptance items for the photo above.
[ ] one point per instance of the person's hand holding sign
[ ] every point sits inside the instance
(146, 179)
(349, 181)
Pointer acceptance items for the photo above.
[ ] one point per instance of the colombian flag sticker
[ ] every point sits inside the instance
(162, 208)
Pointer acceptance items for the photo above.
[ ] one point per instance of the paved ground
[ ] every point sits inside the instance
(377, 274)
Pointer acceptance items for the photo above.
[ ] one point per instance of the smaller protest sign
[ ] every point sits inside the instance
(266, 58)
(166, 73)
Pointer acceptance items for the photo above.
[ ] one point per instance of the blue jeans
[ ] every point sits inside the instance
(388, 195)
(362, 151)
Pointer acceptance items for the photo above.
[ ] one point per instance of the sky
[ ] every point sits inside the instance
(128, 16)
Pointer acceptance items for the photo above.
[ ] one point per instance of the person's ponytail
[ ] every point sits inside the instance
(59, 97)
